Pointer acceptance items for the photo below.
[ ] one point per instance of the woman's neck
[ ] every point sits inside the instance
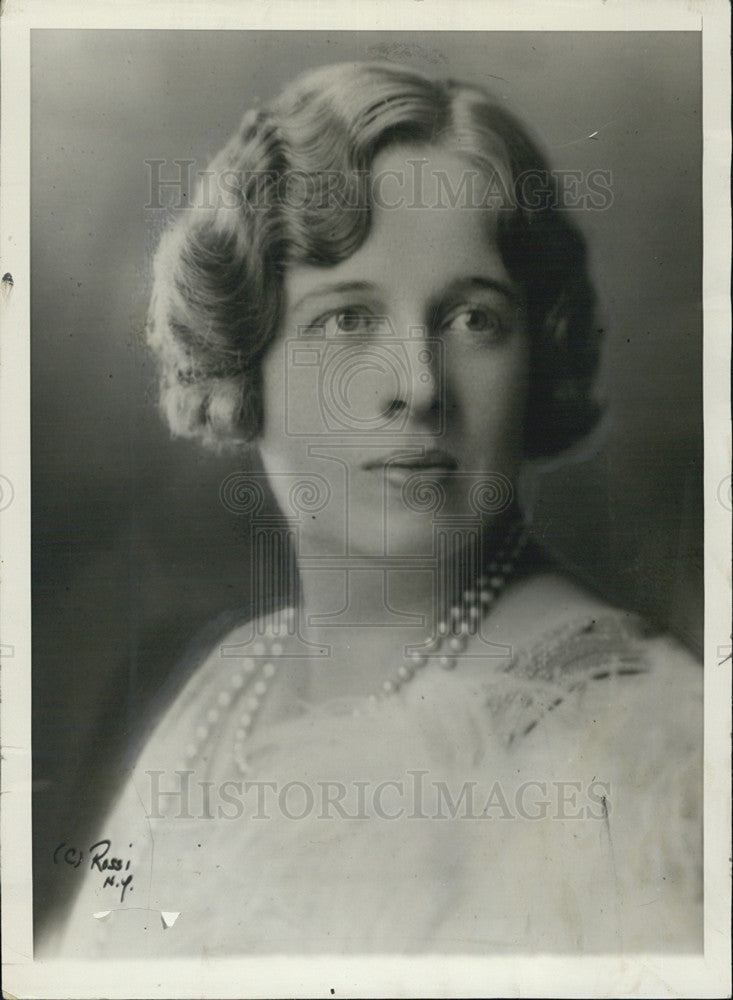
(354, 595)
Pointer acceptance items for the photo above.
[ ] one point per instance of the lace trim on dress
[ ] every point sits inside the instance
(563, 661)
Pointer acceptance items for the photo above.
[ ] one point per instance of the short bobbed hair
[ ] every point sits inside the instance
(218, 273)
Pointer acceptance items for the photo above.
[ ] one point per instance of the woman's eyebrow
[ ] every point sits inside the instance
(462, 285)
(334, 288)
(459, 286)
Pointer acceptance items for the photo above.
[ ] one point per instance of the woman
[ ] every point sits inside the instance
(441, 742)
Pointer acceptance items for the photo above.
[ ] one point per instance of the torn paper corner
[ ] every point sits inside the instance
(169, 917)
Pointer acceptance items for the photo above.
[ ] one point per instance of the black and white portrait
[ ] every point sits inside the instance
(367, 493)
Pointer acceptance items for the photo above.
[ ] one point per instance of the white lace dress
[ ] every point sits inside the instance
(547, 801)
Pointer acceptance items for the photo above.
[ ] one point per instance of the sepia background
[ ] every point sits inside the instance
(133, 551)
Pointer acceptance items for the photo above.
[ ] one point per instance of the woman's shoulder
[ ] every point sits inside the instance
(235, 639)
(615, 702)
(570, 646)
(551, 613)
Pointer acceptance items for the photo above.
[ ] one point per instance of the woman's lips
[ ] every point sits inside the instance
(398, 467)
(434, 458)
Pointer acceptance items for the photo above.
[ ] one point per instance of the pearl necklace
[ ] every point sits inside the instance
(445, 648)
(463, 619)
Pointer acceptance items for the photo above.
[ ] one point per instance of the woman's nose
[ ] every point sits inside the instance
(421, 381)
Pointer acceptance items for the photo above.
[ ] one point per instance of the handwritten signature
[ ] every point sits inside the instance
(99, 860)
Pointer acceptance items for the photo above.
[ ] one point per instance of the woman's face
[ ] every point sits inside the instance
(397, 385)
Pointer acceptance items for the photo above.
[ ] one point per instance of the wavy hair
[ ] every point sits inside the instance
(218, 271)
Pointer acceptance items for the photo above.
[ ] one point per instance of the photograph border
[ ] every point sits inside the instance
(296, 976)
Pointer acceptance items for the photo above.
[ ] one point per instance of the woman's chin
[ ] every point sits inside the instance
(400, 534)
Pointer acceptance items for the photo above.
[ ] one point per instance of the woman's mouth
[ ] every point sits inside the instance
(398, 466)
(430, 458)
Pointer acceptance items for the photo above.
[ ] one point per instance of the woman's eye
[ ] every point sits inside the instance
(480, 322)
(350, 321)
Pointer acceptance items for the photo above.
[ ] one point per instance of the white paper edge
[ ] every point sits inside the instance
(627, 975)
